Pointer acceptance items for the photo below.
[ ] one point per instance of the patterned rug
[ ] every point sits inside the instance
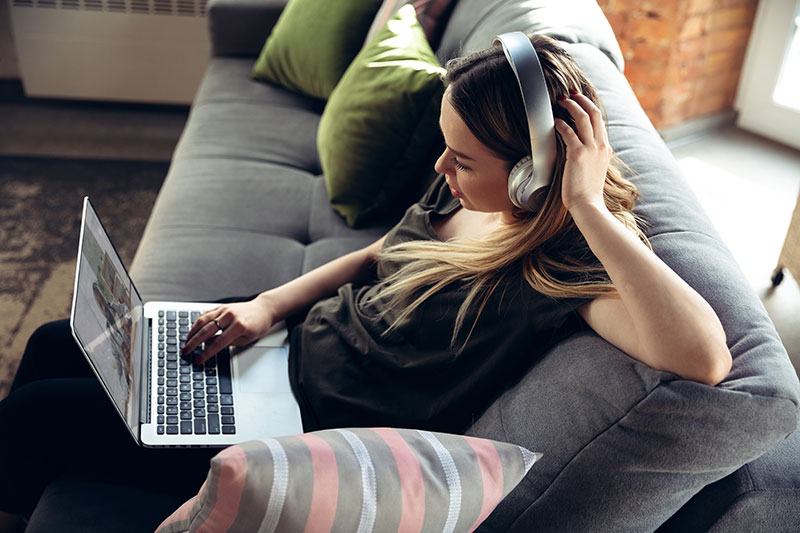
(40, 211)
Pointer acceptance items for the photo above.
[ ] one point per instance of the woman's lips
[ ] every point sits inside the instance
(455, 193)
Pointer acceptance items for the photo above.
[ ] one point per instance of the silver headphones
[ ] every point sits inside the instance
(530, 173)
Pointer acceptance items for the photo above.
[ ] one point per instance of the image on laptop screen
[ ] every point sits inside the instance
(106, 313)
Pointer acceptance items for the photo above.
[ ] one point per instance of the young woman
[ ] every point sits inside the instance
(424, 327)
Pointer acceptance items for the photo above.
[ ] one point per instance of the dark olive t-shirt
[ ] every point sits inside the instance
(345, 372)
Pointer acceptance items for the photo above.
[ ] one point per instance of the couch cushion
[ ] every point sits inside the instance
(761, 496)
(234, 117)
(381, 122)
(474, 24)
(240, 27)
(243, 198)
(625, 446)
(313, 42)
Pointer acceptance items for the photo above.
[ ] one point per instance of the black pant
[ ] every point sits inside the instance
(58, 422)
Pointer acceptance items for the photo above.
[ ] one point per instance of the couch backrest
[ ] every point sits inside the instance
(474, 24)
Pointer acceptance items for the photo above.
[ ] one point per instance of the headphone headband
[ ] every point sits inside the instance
(525, 63)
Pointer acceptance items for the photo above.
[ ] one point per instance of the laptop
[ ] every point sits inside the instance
(134, 348)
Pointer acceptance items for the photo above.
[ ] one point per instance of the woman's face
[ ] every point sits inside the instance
(477, 177)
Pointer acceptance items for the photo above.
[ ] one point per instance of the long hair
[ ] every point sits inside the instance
(544, 243)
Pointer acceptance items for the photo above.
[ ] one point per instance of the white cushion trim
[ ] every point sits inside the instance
(452, 477)
(369, 501)
(280, 483)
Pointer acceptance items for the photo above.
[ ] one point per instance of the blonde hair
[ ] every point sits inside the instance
(545, 242)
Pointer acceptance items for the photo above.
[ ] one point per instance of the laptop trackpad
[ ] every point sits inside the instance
(262, 368)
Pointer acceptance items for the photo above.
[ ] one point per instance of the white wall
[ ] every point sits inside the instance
(8, 54)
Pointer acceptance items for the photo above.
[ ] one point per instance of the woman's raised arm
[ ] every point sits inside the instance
(656, 317)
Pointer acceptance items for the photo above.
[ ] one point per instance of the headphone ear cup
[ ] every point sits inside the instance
(519, 178)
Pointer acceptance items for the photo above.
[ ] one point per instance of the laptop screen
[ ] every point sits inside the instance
(106, 315)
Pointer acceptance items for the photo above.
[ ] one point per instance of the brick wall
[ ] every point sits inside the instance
(683, 58)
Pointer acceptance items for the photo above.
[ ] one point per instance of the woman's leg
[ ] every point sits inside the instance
(56, 422)
(51, 352)
(10, 523)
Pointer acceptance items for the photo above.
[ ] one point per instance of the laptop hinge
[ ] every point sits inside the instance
(148, 370)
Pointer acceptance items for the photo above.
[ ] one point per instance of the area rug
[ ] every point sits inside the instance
(40, 211)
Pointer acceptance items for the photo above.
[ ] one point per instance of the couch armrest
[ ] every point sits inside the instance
(240, 27)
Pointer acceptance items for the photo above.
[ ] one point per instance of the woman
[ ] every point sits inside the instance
(424, 327)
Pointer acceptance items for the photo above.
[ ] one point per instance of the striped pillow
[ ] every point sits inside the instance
(348, 480)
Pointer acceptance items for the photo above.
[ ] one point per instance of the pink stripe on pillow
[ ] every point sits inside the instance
(491, 474)
(412, 488)
(232, 477)
(325, 493)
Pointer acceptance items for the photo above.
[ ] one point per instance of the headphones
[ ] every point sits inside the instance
(531, 173)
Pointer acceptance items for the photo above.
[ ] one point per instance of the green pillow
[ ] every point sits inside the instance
(381, 121)
(313, 42)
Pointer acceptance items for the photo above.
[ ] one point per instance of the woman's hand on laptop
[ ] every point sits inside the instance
(237, 324)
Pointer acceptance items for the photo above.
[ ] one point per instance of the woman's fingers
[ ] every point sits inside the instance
(227, 325)
(588, 118)
(203, 329)
(595, 116)
(568, 135)
(200, 336)
(203, 320)
(218, 342)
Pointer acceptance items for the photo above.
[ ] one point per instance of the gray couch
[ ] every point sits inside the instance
(626, 448)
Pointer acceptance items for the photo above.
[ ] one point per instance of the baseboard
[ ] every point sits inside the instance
(691, 130)
(43, 127)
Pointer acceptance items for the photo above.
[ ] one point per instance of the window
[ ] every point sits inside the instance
(769, 90)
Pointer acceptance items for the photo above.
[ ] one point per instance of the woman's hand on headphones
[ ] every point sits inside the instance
(588, 152)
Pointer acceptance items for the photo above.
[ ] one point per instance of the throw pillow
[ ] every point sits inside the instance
(380, 123)
(312, 44)
(354, 480)
(431, 14)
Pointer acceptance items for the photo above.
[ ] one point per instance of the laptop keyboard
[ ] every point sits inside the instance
(192, 399)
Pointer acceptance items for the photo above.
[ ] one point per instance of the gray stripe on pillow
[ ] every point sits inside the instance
(260, 472)
(369, 499)
(280, 481)
(452, 477)
(387, 480)
(348, 504)
(470, 475)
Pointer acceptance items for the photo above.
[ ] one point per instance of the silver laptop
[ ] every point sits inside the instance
(135, 350)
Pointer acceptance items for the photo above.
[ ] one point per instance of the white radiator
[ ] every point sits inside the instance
(151, 51)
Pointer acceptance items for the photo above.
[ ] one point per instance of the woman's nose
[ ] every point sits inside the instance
(441, 166)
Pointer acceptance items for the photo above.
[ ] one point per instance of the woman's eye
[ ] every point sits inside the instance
(458, 165)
